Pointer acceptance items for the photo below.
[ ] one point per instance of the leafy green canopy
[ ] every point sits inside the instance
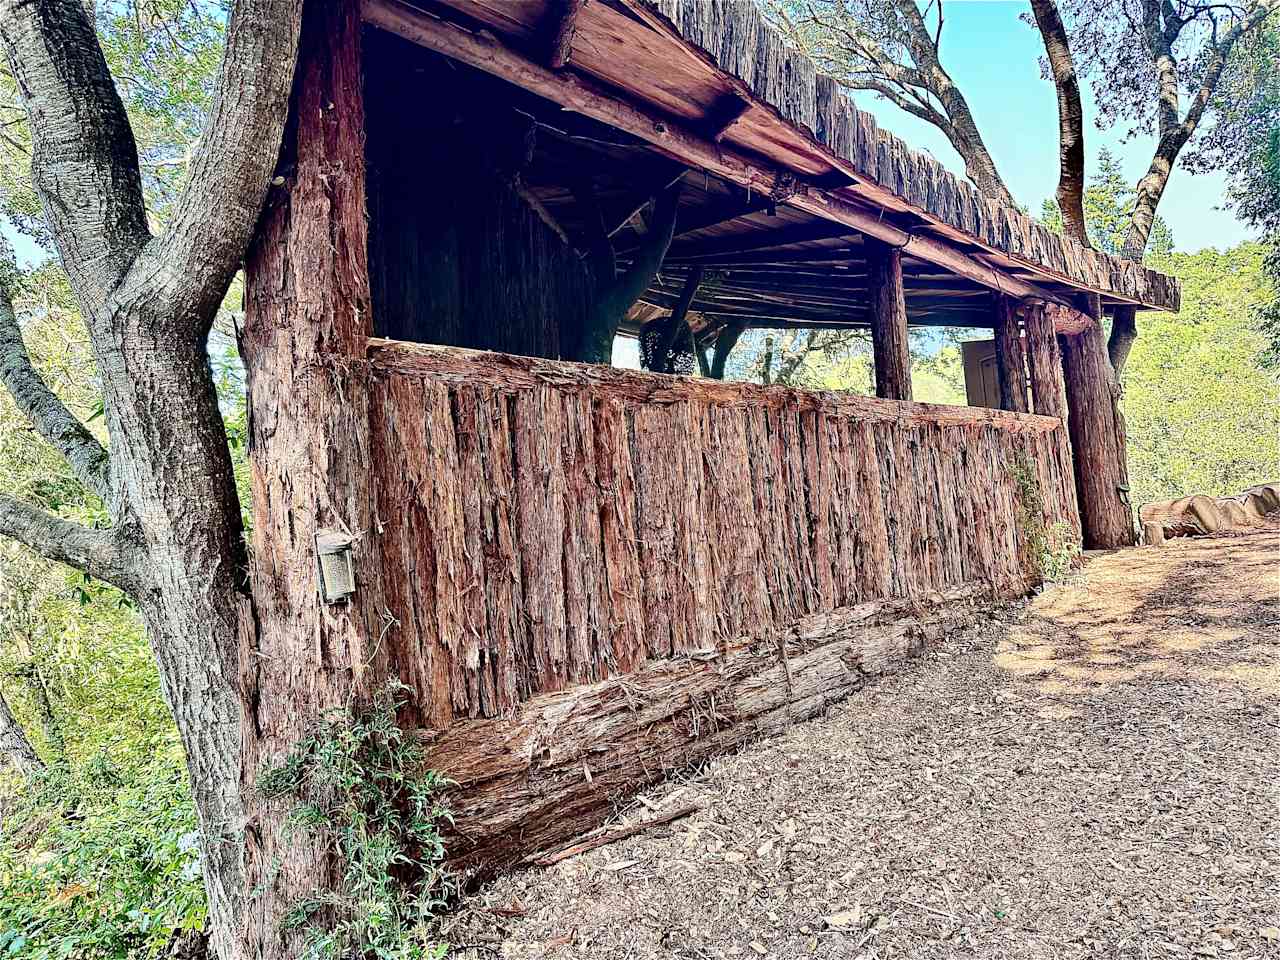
(1203, 412)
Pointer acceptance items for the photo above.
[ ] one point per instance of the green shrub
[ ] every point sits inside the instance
(358, 782)
(103, 863)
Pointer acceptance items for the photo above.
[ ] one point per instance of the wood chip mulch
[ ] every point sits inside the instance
(1095, 773)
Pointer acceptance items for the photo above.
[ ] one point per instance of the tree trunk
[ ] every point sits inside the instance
(306, 322)
(1124, 334)
(15, 748)
(1097, 440)
(1070, 119)
(1011, 365)
(888, 321)
(1149, 191)
(963, 131)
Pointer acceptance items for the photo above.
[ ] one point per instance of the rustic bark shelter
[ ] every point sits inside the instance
(588, 576)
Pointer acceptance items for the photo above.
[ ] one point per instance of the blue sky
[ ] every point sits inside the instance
(994, 59)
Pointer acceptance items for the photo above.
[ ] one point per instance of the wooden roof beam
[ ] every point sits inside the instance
(563, 20)
(724, 116)
(715, 214)
(760, 240)
(574, 92)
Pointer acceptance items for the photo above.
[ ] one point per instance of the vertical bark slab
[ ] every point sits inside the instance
(1097, 441)
(539, 425)
(306, 323)
(618, 533)
(1045, 361)
(888, 320)
(654, 504)
(875, 546)
(1011, 367)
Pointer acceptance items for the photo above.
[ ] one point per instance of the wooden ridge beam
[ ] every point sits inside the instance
(573, 92)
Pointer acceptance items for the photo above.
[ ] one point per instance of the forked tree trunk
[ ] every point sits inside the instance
(306, 322)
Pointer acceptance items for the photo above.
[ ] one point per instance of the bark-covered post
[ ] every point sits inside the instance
(888, 320)
(306, 322)
(1097, 440)
(1044, 359)
(1011, 367)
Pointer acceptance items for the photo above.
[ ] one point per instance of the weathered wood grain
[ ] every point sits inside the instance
(551, 524)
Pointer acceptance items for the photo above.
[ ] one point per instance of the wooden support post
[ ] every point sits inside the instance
(1097, 440)
(307, 319)
(1011, 367)
(888, 320)
(1045, 360)
(677, 322)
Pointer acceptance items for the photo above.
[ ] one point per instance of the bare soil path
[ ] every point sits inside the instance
(1095, 775)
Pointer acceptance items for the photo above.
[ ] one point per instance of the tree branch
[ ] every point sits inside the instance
(1070, 119)
(84, 160)
(213, 219)
(99, 553)
(618, 297)
(50, 416)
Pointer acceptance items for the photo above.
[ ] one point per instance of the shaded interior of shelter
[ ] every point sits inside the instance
(474, 186)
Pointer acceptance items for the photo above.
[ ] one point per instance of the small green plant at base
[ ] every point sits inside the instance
(358, 782)
(1054, 553)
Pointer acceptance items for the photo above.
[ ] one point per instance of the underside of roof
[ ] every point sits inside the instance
(710, 82)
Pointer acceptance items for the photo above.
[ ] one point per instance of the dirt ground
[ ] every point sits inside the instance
(1094, 774)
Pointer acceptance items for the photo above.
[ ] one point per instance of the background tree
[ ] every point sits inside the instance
(892, 48)
(1164, 63)
(1159, 66)
(1244, 138)
(1061, 68)
(173, 539)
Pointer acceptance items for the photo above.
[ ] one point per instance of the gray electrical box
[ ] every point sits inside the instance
(336, 567)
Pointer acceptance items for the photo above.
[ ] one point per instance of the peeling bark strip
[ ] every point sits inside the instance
(549, 524)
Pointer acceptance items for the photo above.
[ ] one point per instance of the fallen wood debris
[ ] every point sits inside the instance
(1199, 515)
(613, 835)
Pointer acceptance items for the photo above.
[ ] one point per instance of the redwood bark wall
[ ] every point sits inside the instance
(547, 524)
